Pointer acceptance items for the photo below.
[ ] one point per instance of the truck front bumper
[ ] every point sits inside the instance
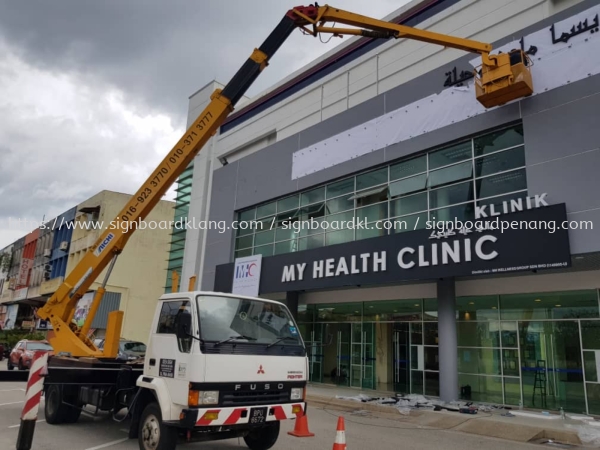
(243, 415)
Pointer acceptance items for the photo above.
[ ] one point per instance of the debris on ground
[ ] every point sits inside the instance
(407, 403)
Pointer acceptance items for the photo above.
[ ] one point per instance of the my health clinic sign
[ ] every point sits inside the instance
(524, 241)
(246, 275)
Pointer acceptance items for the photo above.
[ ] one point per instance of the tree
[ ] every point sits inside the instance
(6, 260)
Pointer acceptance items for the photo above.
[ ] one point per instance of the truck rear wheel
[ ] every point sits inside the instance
(263, 438)
(153, 433)
(55, 411)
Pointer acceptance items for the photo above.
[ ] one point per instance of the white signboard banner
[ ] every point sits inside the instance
(246, 275)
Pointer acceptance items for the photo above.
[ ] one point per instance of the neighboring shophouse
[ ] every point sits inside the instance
(43, 258)
(390, 132)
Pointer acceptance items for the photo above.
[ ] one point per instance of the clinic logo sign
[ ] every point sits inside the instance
(246, 275)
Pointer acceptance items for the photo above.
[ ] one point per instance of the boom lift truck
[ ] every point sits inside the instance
(214, 367)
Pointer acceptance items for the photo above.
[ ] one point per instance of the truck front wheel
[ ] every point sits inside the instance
(153, 433)
(263, 438)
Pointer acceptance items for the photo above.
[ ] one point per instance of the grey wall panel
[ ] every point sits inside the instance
(564, 130)
(572, 180)
(222, 202)
(586, 237)
(360, 113)
(460, 130)
(560, 96)
(266, 174)
(214, 254)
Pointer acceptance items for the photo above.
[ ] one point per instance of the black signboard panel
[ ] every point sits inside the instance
(516, 242)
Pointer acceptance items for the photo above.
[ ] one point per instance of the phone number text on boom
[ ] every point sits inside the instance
(173, 159)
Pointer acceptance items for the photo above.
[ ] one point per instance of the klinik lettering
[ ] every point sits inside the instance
(511, 206)
(444, 252)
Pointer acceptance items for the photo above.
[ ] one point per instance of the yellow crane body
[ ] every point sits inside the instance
(501, 78)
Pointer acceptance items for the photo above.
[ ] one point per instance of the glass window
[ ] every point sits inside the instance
(460, 212)
(371, 196)
(432, 360)
(480, 388)
(477, 308)
(499, 140)
(393, 310)
(450, 155)
(373, 178)
(508, 332)
(266, 210)
(478, 334)
(339, 312)
(285, 233)
(408, 185)
(430, 308)
(590, 334)
(479, 361)
(416, 329)
(247, 215)
(372, 213)
(451, 195)
(408, 205)
(512, 391)
(589, 361)
(500, 162)
(264, 237)
(338, 204)
(244, 242)
(285, 204)
(430, 333)
(451, 174)
(408, 168)
(265, 250)
(316, 241)
(286, 247)
(510, 362)
(554, 305)
(316, 195)
(339, 237)
(502, 183)
(340, 187)
(337, 221)
(243, 253)
(371, 230)
(410, 223)
(170, 311)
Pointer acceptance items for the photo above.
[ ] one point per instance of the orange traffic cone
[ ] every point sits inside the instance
(340, 435)
(301, 427)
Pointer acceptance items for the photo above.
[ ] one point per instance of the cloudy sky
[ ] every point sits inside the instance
(94, 93)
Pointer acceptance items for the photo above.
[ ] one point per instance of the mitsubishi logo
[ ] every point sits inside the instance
(260, 370)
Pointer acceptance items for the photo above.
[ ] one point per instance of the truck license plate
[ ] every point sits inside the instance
(258, 415)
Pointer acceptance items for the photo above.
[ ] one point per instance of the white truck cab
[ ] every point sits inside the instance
(219, 366)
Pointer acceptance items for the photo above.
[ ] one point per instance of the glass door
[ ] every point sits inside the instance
(369, 381)
(552, 372)
(401, 363)
(314, 346)
(344, 362)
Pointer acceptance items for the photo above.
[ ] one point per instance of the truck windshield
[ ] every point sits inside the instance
(249, 321)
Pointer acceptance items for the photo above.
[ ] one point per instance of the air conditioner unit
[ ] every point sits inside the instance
(64, 245)
(46, 275)
(47, 267)
(47, 253)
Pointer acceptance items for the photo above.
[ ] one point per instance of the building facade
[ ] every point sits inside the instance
(374, 148)
(43, 258)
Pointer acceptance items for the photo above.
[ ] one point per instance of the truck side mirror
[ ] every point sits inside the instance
(184, 325)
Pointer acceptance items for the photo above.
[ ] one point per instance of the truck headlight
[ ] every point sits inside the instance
(210, 397)
(297, 394)
(198, 398)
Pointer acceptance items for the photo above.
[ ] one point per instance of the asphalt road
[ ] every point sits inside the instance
(95, 433)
